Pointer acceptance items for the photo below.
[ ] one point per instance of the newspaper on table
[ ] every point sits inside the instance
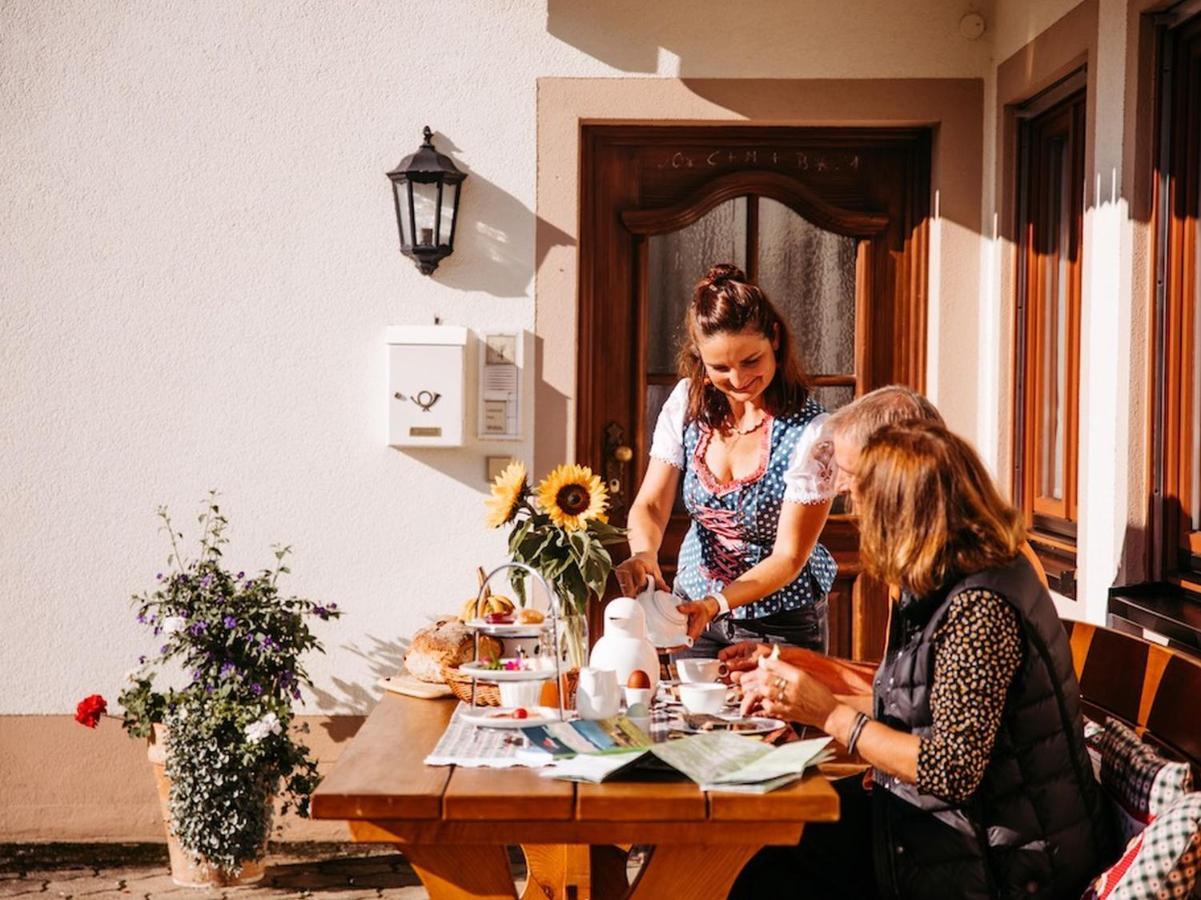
(717, 761)
(464, 744)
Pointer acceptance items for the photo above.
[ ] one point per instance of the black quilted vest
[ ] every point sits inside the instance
(1035, 827)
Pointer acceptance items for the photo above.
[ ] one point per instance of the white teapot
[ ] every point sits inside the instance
(666, 626)
(624, 647)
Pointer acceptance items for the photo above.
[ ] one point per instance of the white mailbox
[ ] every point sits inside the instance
(427, 385)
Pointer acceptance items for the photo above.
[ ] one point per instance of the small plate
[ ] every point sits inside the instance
(481, 672)
(750, 725)
(508, 629)
(490, 717)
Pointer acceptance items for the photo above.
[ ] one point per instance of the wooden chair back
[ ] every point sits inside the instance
(1155, 690)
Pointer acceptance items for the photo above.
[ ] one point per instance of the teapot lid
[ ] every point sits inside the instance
(626, 615)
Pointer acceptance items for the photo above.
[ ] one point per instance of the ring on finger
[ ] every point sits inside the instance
(781, 683)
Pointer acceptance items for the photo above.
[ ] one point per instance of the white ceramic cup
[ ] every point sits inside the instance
(703, 697)
(520, 693)
(694, 671)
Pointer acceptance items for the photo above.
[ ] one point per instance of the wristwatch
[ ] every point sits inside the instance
(723, 605)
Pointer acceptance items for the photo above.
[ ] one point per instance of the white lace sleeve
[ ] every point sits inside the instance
(810, 475)
(668, 441)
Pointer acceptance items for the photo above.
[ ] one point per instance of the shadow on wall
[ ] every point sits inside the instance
(550, 438)
(631, 35)
(767, 38)
(625, 34)
(384, 658)
(494, 238)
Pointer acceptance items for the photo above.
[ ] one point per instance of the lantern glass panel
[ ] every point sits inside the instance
(400, 193)
(425, 202)
(449, 193)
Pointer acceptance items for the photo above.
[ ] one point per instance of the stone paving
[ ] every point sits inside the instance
(99, 872)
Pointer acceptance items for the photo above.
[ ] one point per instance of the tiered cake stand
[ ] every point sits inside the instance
(515, 630)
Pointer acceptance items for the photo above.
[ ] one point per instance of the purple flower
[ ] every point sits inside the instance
(142, 618)
(157, 630)
(321, 612)
(296, 693)
(141, 660)
(196, 629)
(229, 622)
(256, 689)
(206, 581)
(333, 606)
(239, 575)
(227, 669)
(164, 648)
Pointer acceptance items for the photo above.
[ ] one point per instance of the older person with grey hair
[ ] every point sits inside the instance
(844, 435)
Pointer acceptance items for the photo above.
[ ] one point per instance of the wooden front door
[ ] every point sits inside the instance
(830, 222)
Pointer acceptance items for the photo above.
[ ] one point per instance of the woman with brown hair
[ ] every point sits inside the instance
(981, 783)
(739, 428)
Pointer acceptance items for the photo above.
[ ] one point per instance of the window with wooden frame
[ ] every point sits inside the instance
(1176, 434)
(1050, 209)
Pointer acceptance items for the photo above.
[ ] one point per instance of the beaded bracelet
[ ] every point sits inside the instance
(861, 721)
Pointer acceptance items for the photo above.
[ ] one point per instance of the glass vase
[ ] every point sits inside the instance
(573, 640)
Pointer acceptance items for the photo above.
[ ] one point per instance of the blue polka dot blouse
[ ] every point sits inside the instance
(734, 523)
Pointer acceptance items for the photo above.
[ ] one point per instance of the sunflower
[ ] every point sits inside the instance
(508, 491)
(571, 495)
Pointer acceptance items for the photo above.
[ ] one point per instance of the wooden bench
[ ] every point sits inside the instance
(1153, 689)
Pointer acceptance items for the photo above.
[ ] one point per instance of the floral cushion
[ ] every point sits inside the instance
(1159, 862)
(1140, 781)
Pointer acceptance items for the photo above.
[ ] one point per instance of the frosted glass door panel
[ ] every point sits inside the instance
(675, 263)
(809, 273)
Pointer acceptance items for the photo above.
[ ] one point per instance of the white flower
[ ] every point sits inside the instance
(268, 724)
(173, 624)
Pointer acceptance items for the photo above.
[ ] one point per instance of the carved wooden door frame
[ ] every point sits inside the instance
(639, 180)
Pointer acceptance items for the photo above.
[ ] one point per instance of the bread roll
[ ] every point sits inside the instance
(447, 642)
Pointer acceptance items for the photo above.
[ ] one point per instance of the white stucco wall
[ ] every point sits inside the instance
(198, 260)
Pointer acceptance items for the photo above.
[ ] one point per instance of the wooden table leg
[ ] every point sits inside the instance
(608, 864)
(559, 871)
(699, 872)
(461, 872)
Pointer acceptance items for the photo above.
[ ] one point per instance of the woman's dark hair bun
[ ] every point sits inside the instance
(723, 272)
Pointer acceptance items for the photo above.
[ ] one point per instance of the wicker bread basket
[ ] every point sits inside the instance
(488, 694)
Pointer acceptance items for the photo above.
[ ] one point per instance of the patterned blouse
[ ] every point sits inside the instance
(978, 650)
(734, 523)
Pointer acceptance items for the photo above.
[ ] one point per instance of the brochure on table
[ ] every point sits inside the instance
(718, 761)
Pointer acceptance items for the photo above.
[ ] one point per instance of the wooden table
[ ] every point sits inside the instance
(454, 823)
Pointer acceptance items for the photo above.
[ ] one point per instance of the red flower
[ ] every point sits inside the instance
(90, 709)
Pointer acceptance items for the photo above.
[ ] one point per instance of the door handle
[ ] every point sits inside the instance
(615, 455)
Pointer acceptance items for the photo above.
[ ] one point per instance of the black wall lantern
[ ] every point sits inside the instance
(426, 187)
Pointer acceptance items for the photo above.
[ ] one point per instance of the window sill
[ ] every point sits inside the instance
(1059, 562)
(1171, 613)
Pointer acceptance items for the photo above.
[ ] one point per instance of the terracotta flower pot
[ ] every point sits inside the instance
(185, 872)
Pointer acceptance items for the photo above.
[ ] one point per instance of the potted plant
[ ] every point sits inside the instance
(559, 529)
(223, 742)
